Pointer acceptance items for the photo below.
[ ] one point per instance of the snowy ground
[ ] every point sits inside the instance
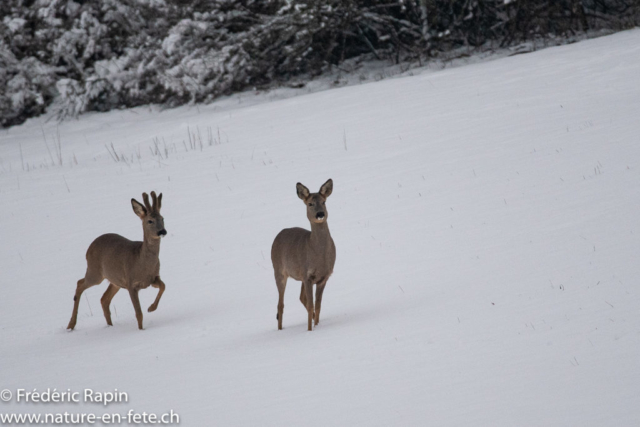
(486, 223)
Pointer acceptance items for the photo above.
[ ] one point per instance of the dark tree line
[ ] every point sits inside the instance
(104, 54)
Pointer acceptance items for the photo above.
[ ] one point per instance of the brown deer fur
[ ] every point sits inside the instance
(308, 256)
(126, 264)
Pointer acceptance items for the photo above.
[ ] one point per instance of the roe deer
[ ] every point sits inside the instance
(308, 256)
(126, 264)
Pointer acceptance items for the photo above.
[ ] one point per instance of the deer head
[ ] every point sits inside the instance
(152, 221)
(316, 209)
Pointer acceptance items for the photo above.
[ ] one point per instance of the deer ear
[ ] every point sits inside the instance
(160, 201)
(303, 192)
(326, 189)
(138, 209)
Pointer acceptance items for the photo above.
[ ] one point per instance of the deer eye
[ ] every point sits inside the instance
(150, 222)
(310, 204)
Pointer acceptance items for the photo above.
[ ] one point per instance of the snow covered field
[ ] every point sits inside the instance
(486, 223)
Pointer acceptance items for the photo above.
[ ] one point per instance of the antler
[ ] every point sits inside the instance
(157, 201)
(145, 198)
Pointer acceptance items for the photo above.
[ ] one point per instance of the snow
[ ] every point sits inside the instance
(14, 24)
(486, 224)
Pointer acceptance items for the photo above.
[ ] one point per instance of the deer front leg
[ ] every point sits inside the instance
(133, 293)
(308, 290)
(157, 284)
(319, 290)
(303, 296)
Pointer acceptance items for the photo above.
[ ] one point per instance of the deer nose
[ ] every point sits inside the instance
(162, 232)
(320, 215)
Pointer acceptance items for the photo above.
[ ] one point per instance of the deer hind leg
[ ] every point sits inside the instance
(83, 285)
(133, 293)
(111, 291)
(319, 290)
(157, 284)
(308, 290)
(281, 283)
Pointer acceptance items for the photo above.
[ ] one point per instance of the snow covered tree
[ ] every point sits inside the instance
(104, 54)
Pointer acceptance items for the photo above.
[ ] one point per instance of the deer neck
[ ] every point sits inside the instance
(320, 235)
(150, 247)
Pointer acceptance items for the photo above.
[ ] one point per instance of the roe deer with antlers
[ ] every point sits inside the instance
(126, 264)
(308, 256)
